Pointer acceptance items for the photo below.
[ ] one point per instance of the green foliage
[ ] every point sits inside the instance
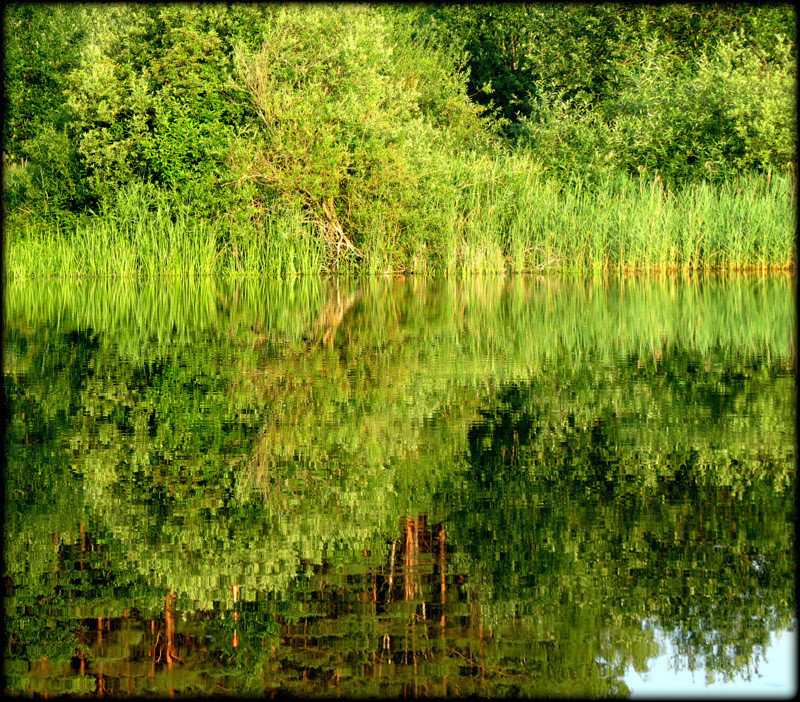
(50, 184)
(334, 138)
(350, 123)
(252, 113)
(151, 100)
(689, 91)
(692, 29)
(732, 112)
(42, 43)
(521, 53)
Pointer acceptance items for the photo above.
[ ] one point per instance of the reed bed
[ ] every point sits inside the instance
(500, 215)
(518, 220)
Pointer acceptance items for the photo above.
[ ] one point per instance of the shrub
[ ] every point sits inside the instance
(152, 102)
(51, 181)
(41, 45)
(350, 127)
(730, 111)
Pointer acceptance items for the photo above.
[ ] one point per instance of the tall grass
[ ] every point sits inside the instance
(508, 215)
(497, 215)
(148, 234)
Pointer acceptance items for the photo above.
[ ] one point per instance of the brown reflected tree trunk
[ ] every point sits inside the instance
(329, 320)
(442, 578)
(443, 599)
(128, 669)
(101, 681)
(481, 654)
(391, 570)
(408, 561)
(169, 616)
(374, 593)
(414, 655)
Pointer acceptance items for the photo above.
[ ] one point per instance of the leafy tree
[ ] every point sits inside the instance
(351, 114)
(668, 88)
(151, 100)
(42, 45)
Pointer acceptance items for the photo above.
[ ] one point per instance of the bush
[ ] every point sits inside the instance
(351, 126)
(152, 103)
(359, 122)
(42, 44)
(730, 111)
(249, 112)
(50, 181)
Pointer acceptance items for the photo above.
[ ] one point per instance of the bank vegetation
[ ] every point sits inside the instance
(247, 140)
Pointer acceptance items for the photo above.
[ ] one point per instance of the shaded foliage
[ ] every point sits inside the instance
(688, 91)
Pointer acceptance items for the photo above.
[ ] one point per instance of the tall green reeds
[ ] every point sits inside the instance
(621, 222)
(149, 235)
(499, 215)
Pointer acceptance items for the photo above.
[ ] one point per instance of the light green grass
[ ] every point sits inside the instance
(622, 222)
(149, 236)
(498, 215)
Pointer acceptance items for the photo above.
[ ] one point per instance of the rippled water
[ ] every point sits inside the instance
(498, 486)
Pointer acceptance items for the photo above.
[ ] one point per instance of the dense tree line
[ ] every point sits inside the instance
(687, 90)
(348, 112)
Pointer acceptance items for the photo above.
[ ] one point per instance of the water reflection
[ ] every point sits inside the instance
(773, 675)
(395, 488)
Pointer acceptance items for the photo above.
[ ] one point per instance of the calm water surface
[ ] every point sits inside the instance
(503, 487)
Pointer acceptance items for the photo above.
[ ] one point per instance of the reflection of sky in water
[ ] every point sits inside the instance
(776, 677)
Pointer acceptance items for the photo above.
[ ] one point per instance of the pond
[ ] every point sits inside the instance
(502, 486)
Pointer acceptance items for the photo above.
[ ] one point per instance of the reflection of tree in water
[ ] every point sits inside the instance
(706, 555)
(384, 626)
(404, 619)
(412, 626)
(405, 625)
(569, 515)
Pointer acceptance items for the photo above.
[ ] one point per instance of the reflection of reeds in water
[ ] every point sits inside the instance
(518, 318)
